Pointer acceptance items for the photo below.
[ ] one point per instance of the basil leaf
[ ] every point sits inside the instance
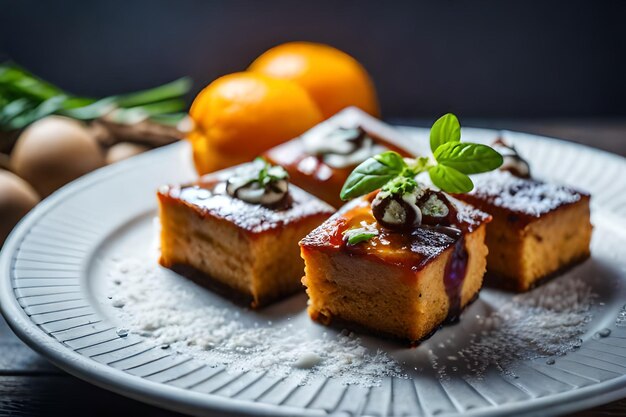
(446, 129)
(372, 174)
(450, 180)
(468, 158)
(391, 159)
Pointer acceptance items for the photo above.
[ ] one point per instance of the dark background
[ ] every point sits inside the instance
(477, 59)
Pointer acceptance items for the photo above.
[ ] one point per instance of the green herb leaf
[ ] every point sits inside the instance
(372, 174)
(75, 102)
(163, 107)
(22, 83)
(25, 98)
(360, 234)
(167, 91)
(391, 159)
(168, 119)
(454, 161)
(468, 158)
(446, 129)
(91, 111)
(450, 180)
(133, 115)
(46, 108)
(360, 237)
(14, 109)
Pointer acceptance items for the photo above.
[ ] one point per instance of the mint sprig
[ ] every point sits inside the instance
(373, 173)
(450, 180)
(449, 168)
(469, 158)
(446, 129)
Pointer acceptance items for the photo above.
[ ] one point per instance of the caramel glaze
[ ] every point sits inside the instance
(519, 200)
(312, 174)
(409, 251)
(208, 198)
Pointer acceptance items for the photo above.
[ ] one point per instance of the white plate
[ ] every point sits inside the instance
(58, 266)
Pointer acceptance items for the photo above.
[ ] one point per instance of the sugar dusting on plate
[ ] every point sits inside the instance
(548, 321)
(162, 306)
(157, 305)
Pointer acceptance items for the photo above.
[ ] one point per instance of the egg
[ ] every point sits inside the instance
(17, 197)
(123, 150)
(54, 151)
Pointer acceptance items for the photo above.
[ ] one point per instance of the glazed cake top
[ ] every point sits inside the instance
(528, 197)
(352, 117)
(412, 250)
(296, 153)
(208, 198)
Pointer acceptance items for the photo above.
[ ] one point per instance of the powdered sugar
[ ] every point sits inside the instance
(158, 305)
(162, 306)
(531, 197)
(548, 321)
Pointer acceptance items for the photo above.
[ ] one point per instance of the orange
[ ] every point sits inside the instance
(333, 78)
(239, 116)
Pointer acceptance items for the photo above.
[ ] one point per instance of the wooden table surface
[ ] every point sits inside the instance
(31, 386)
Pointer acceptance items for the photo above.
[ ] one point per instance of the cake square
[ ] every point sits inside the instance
(249, 249)
(400, 284)
(321, 159)
(538, 228)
